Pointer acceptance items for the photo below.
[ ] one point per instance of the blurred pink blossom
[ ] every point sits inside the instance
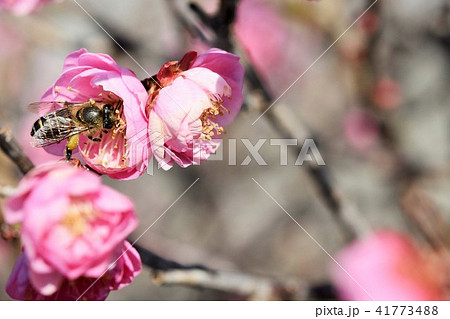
(120, 275)
(200, 95)
(388, 94)
(72, 226)
(361, 129)
(279, 49)
(369, 22)
(22, 7)
(123, 153)
(389, 266)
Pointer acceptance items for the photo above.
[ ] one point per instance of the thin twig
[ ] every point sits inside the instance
(190, 27)
(248, 286)
(12, 149)
(168, 272)
(220, 23)
(157, 262)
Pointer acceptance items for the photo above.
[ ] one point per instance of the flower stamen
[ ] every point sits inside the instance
(78, 216)
(208, 118)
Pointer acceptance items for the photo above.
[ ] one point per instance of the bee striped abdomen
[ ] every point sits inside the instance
(55, 131)
(49, 126)
(36, 126)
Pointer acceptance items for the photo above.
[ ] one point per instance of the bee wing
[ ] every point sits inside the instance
(48, 107)
(54, 130)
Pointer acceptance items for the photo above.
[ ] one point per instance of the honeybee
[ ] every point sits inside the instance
(91, 118)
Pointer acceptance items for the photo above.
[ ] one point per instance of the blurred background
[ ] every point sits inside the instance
(377, 105)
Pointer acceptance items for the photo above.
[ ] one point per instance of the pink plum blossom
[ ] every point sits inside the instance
(388, 94)
(266, 52)
(72, 226)
(370, 22)
(361, 129)
(22, 7)
(127, 267)
(389, 266)
(279, 50)
(124, 151)
(200, 95)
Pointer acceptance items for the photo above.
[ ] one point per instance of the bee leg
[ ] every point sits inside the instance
(68, 154)
(72, 143)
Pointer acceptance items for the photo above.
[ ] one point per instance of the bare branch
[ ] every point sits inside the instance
(193, 30)
(248, 286)
(12, 149)
(157, 262)
(220, 23)
(168, 272)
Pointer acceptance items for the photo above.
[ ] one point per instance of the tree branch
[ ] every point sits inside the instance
(191, 28)
(167, 272)
(159, 263)
(220, 23)
(250, 287)
(12, 149)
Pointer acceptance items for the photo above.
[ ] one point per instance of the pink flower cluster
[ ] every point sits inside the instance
(73, 229)
(185, 109)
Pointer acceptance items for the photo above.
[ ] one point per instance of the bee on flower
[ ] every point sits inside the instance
(98, 108)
